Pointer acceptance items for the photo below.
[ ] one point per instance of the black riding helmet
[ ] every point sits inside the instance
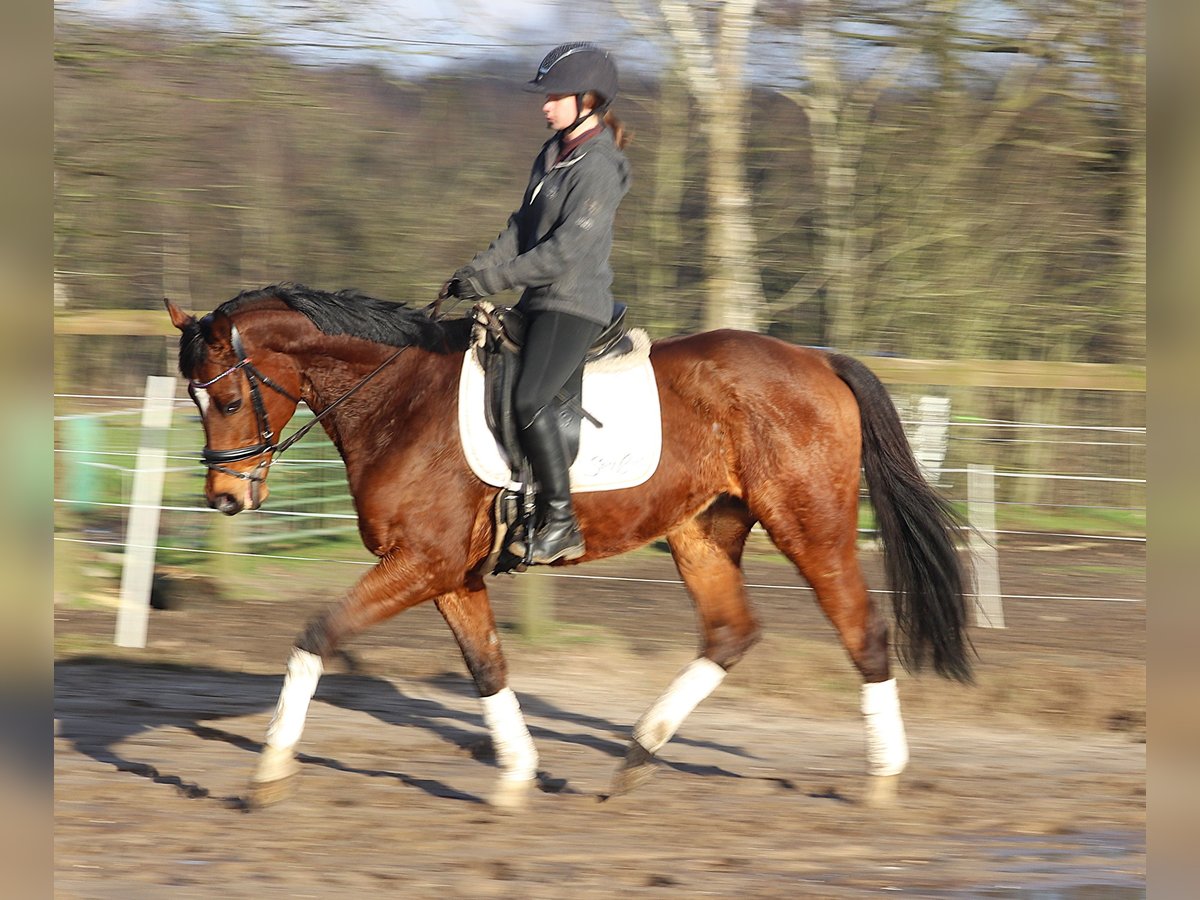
(577, 68)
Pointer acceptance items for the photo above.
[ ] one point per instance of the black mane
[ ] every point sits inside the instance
(347, 312)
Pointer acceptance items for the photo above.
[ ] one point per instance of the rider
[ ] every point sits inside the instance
(556, 248)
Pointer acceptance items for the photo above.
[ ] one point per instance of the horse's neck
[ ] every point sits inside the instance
(387, 410)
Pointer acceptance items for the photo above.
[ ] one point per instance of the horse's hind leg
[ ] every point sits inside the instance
(469, 615)
(843, 596)
(708, 553)
(827, 557)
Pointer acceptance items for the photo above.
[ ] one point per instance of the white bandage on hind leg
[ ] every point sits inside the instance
(303, 671)
(887, 747)
(515, 753)
(658, 724)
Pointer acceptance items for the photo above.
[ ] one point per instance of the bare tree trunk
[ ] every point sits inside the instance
(735, 297)
(713, 63)
(839, 123)
(1122, 27)
(666, 238)
(734, 285)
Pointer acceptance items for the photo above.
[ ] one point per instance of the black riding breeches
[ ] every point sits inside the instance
(555, 345)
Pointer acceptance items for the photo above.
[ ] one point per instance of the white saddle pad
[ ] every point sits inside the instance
(623, 397)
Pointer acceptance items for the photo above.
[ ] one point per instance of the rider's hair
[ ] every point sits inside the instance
(621, 134)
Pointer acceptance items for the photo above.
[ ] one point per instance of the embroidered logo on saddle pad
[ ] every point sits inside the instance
(621, 393)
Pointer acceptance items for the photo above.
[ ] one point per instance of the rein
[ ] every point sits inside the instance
(304, 429)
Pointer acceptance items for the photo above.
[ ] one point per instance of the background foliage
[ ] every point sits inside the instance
(925, 178)
(904, 200)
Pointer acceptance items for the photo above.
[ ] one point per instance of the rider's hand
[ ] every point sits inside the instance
(464, 285)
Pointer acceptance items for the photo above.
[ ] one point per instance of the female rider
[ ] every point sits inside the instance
(556, 248)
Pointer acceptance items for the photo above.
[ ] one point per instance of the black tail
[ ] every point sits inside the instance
(918, 526)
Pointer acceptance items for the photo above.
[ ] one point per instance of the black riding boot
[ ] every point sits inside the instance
(558, 536)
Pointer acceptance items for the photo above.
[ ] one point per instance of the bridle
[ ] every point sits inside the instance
(219, 460)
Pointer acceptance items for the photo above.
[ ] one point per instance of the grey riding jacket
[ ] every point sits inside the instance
(556, 246)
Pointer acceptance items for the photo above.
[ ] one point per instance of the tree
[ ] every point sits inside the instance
(839, 116)
(708, 47)
(950, 113)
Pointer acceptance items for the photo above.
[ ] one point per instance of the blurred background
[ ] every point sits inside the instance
(953, 191)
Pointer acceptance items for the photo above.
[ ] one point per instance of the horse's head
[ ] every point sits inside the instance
(246, 393)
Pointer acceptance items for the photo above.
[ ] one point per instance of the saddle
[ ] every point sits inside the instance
(497, 336)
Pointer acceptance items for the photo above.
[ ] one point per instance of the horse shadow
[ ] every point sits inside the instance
(100, 704)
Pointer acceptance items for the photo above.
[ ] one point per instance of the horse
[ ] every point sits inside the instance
(755, 430)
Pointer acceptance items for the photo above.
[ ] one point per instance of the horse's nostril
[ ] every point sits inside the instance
(226, 504)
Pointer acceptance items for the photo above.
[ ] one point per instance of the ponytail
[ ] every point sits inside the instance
(621, 135)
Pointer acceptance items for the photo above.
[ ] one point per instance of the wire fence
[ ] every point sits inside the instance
(1055, 482)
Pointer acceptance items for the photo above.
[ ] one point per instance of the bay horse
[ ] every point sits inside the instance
(754, 430)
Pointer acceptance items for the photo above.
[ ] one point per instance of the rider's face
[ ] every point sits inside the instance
(560, 111)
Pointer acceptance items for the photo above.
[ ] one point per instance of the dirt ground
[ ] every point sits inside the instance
(1029, 784)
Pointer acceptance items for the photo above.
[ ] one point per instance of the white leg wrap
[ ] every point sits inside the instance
(887, 747)
(515, 752)
(303, 671)
(658, 724)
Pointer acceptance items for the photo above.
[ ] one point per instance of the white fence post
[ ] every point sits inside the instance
(141, 533)
(931, 436)
(981, 510)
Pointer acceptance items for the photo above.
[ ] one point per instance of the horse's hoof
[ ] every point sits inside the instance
(638, 768)
(275, 777)
(268, 793)
(510, 795)
(882, 791)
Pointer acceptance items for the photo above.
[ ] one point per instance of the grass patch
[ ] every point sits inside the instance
(1120, 522)
(72, 645)
(561, 633)
(1088, 569)
(92, 601)
(1138, 572)
(1018, 517)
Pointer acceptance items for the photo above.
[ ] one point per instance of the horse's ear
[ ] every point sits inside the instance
(179, 318)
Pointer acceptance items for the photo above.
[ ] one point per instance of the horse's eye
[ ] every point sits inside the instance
(233, 407)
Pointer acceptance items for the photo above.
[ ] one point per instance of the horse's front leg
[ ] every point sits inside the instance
(387, 589)
(469, 615)
(708, 552)
(274, 777)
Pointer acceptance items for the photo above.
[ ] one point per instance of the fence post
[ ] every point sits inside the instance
(141, 533)
(931, 435)
(981, 510)
(223, 535)
(535, 605)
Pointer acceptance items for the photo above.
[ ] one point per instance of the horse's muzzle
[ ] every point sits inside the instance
(232, 503)
(230, 496)
(225, 503)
